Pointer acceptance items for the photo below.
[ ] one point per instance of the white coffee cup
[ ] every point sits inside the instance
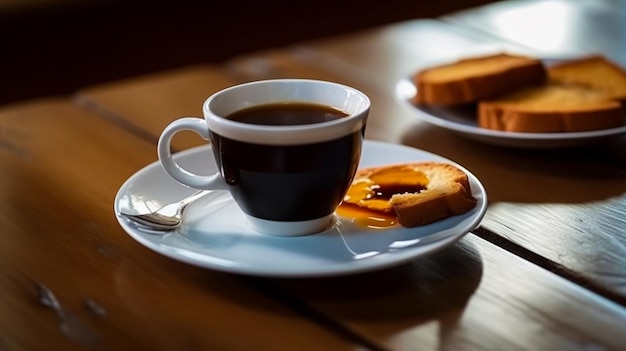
(287, 179)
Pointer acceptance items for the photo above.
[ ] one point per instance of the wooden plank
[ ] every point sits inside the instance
(146, 104)
(383, 55)
(471, 296)
(558, 28)
(565, 205)
(73, 280)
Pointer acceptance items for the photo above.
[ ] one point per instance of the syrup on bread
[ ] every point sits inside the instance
(418, 193)
(472, 79)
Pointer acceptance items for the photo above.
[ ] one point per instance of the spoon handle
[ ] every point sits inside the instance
(186, 201)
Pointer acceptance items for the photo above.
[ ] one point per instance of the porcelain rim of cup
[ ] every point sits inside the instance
(351, 101)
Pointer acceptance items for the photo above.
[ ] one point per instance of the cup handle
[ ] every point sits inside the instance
(183, 176)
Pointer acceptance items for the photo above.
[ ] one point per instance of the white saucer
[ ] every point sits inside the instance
(464, 123)
(215, 234)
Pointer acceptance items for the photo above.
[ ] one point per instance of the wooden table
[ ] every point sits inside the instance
(546, 270)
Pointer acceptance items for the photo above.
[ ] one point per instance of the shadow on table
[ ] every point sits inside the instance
(434, 288)
(429, 288)
(532, 175)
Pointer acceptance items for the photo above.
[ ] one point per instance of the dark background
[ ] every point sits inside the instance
(50, 47)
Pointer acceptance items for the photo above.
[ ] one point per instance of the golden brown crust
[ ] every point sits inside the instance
(514, 95)
(447, 194)
(479, 78)
(520, 112)
(595, 71)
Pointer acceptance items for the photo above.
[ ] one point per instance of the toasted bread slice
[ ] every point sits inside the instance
(595, 72)
(418, 193)
(472, 79)
(551, 108)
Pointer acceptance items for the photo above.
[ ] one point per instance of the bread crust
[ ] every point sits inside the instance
(519, 116)
(447, 193)
(501, 74)
(519, 94)
(594, 71)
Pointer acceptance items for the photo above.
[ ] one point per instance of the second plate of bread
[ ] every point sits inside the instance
(522, 101)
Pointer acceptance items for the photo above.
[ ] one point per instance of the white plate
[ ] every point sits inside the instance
(215, 234)
(463, 121)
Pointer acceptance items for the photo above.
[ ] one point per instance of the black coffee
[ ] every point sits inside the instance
(264, 178)
(287, 113)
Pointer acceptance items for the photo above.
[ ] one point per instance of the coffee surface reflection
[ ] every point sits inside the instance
(287, 113)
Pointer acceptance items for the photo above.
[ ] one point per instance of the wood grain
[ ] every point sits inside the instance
(559, 29)
(566, 205)
(471, 296)
(73, 280)
(157, 99)
(383, 55)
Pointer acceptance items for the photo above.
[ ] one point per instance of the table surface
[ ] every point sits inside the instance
(545, 270)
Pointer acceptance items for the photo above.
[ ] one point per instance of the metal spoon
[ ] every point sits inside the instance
(166, 218)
